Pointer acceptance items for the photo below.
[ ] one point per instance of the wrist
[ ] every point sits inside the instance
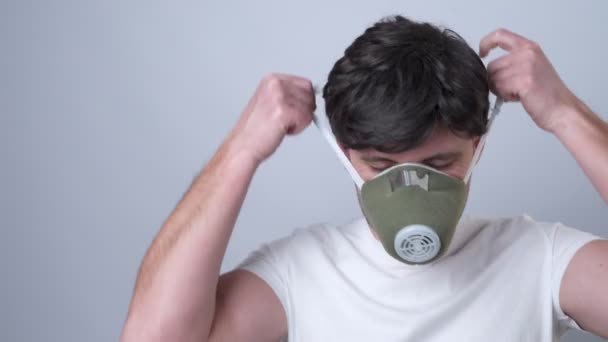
(239, 153)
(569, 116)
(579, 121)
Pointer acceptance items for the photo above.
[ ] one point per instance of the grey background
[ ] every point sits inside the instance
(109, 108)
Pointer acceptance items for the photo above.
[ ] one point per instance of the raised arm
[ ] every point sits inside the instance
(526, 75)
(178, 293)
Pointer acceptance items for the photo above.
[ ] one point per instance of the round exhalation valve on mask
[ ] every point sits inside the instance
(417, 243)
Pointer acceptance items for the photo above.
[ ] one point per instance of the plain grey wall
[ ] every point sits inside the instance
(110, 107)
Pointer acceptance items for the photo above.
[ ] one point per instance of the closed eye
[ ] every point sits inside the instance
(441, 166)
(377, 169)
(380, 167)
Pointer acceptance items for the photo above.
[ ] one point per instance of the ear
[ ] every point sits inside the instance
(476, 142)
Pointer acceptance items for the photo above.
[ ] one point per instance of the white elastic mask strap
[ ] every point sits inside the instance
(322, 124)
(482, 141)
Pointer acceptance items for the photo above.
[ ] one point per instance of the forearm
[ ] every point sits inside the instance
(175, 292)
(585, 135)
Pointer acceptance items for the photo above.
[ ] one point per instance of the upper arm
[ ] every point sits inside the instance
(247, 309)
(583, 292)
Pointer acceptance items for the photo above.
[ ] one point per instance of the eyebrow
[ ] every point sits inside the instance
(372, 159)
(443, 157)
(437, 157)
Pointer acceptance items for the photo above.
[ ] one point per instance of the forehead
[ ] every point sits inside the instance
(443, 141)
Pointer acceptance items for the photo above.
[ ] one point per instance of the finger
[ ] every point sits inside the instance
(300, 123)
(285, 86)
(298, 100)
(304, 90)
(302, 104)
(303, 83)
(290, 79)
(281, 76)
(502, 38)
(305, 97)
(504, 74)
(298, 118)
(506, 88)
(296, 80)
(499, 64)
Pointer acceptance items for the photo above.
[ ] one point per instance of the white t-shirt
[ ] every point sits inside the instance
(499, 281)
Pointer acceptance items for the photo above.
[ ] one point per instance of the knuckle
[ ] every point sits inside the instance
(270, 76)
(491, 67)
(279, 113)
(278, 94)
(532, 49)
(501, 32)
(533, 45)
(529, 53)
(271, 80)
(307, 83)
(274, 83)
(267, 78)
(527, 82)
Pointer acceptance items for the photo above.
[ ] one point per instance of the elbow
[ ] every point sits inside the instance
(138, 329)
(135, 330)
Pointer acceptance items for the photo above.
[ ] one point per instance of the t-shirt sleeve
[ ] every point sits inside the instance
(565, 242)
(272, 269)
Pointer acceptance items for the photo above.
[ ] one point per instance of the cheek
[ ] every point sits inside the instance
(366, 173)
(457, 170)
(363, 169)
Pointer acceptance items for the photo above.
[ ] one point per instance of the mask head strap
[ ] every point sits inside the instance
(482, 141)
(323, 125)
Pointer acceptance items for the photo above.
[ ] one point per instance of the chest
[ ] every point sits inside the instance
(499, 299)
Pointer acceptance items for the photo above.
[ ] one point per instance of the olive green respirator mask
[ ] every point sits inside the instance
(414, 209)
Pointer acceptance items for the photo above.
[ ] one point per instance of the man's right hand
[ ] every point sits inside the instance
(281, 105)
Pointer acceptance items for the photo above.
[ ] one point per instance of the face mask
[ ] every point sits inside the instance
(413, 208)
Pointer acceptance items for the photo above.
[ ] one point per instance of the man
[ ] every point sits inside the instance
(403, 92)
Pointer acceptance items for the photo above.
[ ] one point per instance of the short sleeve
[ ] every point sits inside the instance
(565, 242)
(264, 263)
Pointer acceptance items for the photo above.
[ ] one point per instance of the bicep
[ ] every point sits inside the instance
(583, 293)
(247, 309)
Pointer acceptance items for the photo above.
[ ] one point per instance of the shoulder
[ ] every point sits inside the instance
(524, 231)
(319, 240)
(513, 227)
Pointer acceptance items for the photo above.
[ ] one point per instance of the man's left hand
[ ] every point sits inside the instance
(526, 75)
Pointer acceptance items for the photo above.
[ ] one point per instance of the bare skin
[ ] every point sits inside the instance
(179, 293)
